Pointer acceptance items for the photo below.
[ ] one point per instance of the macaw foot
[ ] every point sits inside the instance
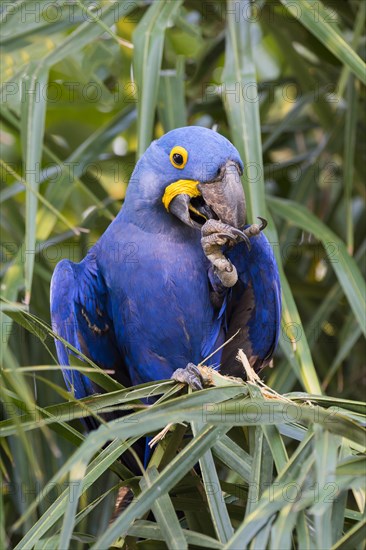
(190, 375)
(215, 235)
(254, 229)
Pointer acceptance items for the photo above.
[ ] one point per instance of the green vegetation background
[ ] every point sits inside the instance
(86, 87)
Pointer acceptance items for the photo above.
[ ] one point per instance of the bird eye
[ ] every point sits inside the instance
(178, 157)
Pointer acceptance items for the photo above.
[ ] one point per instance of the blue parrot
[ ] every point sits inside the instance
(175, 275)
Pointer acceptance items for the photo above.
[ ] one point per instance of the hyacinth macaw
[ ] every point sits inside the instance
(175, 275)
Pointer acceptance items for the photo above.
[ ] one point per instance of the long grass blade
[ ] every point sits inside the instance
(234, 456)
(211, 482)
(165, 515)
(353, 537)
(326, 450)
(33, 123)
(293, 338)
(150, 530)
(304, 11)
(243, 114)
(344, 265)
(73, 167)
(349, 152)
(166, 480)
(148, 41)
(76, 478)
(171, 100)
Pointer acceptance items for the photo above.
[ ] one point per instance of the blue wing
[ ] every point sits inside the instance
(253, 305)
(79, 313)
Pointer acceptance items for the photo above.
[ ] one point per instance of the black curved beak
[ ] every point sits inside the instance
(225, 195)
(180, 208)
(221, 198)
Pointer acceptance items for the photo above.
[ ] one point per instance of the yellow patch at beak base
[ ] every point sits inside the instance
(180, 187)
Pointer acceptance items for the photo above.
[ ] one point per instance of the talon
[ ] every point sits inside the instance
(190, 376)
(243, 237)
(255, 229)
(247, 242)
(237, 233)
(263, 224)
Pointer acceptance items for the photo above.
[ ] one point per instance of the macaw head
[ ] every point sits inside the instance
(192, 173)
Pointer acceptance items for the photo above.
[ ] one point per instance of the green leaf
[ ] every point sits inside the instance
(252, 70)
(344, 265)
(88, 31)
(352, 466)
(349, 153)
(312, 17)
(273, 498)
(24, 321)
(171, 100)
(33, 102)
(277, 446)
(58, 507)
(356, 535)
(255, 486)
(350, 334)
(165, 515)
(2, 517)
(234, 456)
(76, 480)
(287, 121)
(211, 483)
(281, 532)
(326, 450)
(150, 530)
(148, 40)
(166, 480)
(293, 340)
(239, 76)
(60, 188)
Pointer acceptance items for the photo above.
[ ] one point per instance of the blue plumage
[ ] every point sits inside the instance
(146, 300)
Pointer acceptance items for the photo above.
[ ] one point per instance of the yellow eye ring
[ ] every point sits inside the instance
(178, 157)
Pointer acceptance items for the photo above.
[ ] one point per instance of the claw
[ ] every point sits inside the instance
(255, 229)
(243, 237)
(237, 233)
(246, 239)
(190, 375)
(263, 224)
